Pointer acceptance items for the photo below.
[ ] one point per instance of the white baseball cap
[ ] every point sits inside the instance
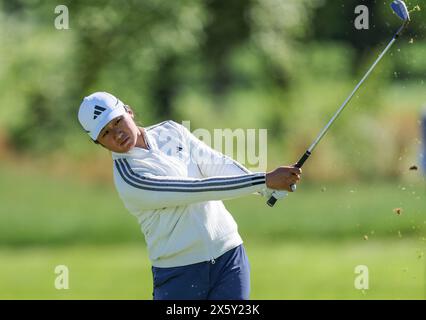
(97, 110)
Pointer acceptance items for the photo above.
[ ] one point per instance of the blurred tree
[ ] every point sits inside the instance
(152, 52)
(111, 46)
(227, 28)
(334, 20)
(124, 32)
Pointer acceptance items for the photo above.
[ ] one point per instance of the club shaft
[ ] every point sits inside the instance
(324, 131)
(272, 200)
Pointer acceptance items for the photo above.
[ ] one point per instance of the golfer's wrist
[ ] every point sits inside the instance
(270, 182)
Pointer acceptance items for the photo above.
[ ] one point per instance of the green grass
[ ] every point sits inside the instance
(337, 212)
(280, 270)
(94, 272)
(306, 247)
(326, 270)
(40, 210)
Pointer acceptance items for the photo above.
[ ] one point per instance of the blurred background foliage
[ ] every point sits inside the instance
(281, 65)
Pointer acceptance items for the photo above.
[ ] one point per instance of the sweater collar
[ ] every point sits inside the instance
(137, 151)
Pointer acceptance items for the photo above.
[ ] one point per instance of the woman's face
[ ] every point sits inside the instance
(120, 134)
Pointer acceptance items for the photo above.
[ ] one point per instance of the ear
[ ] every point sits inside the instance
(129, 111)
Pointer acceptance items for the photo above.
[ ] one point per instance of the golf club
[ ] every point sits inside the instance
(400, 9)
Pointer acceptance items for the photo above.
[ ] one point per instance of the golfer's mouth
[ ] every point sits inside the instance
(124, 141)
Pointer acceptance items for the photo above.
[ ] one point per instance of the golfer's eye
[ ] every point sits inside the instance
(118, 120)
(105, 133)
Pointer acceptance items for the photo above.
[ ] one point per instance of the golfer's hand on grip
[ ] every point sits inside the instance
(283, 177)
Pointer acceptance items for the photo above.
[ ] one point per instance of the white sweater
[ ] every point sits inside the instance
(175, 190)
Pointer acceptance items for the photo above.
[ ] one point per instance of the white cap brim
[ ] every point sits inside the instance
(106, 118)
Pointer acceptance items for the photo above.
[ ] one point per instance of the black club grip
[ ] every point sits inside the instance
(271, 201)
(302, 160)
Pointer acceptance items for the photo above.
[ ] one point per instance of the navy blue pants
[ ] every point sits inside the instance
(225, 278)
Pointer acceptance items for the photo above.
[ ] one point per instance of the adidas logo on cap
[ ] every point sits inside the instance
(97, 110)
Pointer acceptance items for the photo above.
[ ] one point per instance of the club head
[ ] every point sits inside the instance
(399, 7)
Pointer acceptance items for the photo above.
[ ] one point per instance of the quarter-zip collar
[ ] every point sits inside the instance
(150, 143)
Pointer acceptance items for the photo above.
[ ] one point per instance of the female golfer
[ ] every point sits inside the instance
(174, 184)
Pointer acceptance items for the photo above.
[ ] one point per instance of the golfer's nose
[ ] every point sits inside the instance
(118, 134)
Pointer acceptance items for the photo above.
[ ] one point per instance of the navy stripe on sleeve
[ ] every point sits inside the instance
(176, 185)
(183, 183)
